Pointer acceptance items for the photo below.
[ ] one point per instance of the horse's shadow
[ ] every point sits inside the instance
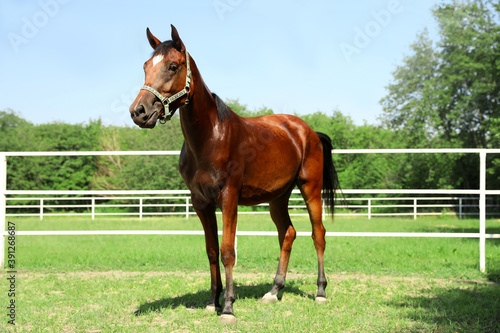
(199, 299)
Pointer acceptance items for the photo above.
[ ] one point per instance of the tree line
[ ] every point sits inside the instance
(445, 94)
(160, 172)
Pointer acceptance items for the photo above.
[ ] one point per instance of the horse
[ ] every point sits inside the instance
(227, 160)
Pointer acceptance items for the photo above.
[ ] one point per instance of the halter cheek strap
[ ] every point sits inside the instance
(166, 101)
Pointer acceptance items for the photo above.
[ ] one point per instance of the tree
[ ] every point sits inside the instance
(468, 87)
(11, 123)
(446, 94)
(10, 119)
(53, 172)
(140, 172)
(243, 111)
(406, 107)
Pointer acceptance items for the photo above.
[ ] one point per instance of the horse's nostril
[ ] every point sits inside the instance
(139, 110)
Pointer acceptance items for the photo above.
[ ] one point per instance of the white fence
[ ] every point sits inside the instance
(481, 193)
(179, 204)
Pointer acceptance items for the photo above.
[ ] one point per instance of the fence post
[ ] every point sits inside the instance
(3, 206)
(236, 246)
(140, 209)
(369, 209)
(41, 209)
(482, 211)
(460, 208)
(93, 208)
(187, 207)
(414, 209)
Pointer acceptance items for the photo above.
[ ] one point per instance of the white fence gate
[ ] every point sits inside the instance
(481, 192)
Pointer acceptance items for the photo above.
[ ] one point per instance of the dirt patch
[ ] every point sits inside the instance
(256, 276)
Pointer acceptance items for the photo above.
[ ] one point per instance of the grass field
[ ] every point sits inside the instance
(158, 283)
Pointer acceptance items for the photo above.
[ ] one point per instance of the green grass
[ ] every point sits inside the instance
(158, 283)
(162, 302)
(260, 222)
(437, 257)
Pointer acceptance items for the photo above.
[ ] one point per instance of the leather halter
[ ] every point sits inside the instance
(166, 101)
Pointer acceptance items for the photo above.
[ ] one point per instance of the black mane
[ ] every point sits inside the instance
(223, 111)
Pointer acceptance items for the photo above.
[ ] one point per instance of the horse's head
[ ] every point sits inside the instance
(167, 84)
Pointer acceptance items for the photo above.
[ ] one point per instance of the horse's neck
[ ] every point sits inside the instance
(199, 119)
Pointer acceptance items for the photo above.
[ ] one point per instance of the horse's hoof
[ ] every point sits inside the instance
(227, 319)
(269, 298)
(321, 300)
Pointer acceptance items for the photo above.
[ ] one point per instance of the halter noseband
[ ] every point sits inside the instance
(166, 101)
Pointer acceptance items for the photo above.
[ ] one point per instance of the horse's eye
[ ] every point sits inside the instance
(172, 68)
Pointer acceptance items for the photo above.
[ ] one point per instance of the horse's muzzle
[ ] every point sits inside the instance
(142, 118)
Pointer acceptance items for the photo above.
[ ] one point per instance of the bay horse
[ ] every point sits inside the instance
(228, 160)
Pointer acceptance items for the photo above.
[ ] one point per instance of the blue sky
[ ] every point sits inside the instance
(75, 60)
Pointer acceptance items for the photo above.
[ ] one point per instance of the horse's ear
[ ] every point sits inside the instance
(152, 39)
(178, 44)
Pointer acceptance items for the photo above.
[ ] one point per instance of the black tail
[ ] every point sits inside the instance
(330, 179)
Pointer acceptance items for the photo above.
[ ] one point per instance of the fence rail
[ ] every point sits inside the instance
(181, 205)
(481, 193)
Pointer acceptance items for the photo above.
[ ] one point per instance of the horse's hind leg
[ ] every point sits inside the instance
(286, 234)
(311, 191)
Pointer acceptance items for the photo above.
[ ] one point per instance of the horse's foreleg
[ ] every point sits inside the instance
(229, 215)
(209, 222)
